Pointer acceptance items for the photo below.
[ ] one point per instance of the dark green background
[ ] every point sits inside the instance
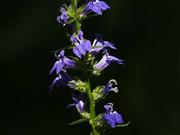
(146, 34)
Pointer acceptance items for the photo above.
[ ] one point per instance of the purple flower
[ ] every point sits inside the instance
(106, 60)
(99, 42)
(62, 79)
(81, 45)
(96, 6)
(64, 17)
(109, 87)
(62, 62)
(111, 117)
(79, 103)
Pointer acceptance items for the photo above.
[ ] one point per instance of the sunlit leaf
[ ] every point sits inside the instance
(70, 21)
(124, 125)
(78, 121)
(65, 48)
(98, 46)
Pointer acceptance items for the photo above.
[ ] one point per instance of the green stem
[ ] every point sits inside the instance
(78, 25)
(92, 106)
(74, 7)
(87, 80)
(73, 4)
(92, 110)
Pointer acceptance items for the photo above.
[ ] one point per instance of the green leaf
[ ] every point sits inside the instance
(67, 47)
(97, 69)
(109, 127)
(78, 121)
(81, 8)
(70, 21)
(92, 15)
(97, 46)
(70, 11)
(124, 125)
(94, 69)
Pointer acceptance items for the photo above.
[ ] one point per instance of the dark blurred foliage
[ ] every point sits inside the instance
(146, 34)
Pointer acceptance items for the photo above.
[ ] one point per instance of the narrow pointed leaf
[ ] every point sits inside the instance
(78, 121)
(98, 46)
(92, 15)
(97, 69)
(109, 127)
(65, 48)
(124, 125)
(94, 69)
(81, 8)
(70, 21)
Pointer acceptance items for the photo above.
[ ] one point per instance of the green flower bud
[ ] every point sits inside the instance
(98, 93)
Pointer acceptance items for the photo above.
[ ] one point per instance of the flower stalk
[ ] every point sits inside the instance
(85, 61)
(92, 105)
(87, 79)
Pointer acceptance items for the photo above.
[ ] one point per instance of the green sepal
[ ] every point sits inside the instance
(80, 85)
(74, 58)
(97, 69)
(70, 11)
(70, 21)
(77, 122)
(98, 121)
(123, 125)
(98, 46)
(98, 93)
(65, 48)
(81, 8)
(94, 69)
(92, 15)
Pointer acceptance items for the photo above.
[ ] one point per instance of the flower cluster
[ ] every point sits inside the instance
(87, 63)
(112, 117)
(60, 66)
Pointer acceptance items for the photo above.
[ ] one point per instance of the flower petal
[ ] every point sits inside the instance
(96, 8)
(63, 9)
(73, 38)
(74, 96)
(70, 105)
(80, 34)
(55, 82)
(117, 117)
(114, 59)
(76, 52)
(87, 45)
(111, 120)
(110, 104)
(80, 105)
(102, 63)
(103, 5)
(107, 107)
(54, 67)
(59, 66)
(62, 53)
(106, 43)
(81, 48)
(69, 63)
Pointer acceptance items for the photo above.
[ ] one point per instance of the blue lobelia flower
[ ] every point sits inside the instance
(111, 117)
(63, 17)
(81, 45)
(109, 87)
(79, 101)
(96, 6)
(106, 60)
(62, 79)
(62, 62)
(99, 42)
